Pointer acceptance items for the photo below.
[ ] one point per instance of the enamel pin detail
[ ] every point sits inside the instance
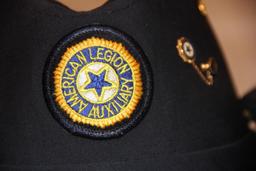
(98, 83)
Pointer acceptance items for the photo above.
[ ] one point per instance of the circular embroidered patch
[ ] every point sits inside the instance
(98, 82)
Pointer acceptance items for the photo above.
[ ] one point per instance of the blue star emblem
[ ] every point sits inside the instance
(98, 82)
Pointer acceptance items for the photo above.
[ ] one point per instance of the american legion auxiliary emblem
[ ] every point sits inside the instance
(98, 82)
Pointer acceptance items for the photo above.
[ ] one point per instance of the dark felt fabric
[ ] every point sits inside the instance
(189, 126)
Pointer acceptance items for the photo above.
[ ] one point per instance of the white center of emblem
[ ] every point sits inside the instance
(97, 82)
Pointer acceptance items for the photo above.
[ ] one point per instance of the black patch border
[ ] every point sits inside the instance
(109, 33)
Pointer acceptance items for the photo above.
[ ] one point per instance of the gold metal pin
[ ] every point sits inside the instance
(206, 70)
(251, 122)
(202, 7)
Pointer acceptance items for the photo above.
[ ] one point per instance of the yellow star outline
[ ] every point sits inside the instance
(88, 81)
